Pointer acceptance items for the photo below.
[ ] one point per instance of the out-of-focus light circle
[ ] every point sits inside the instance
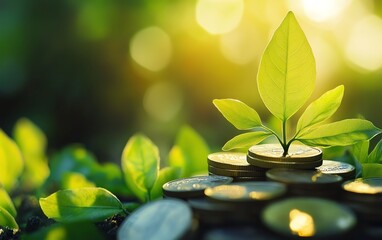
(151, 48)
(364, 47)
(163, 101)
(323, 10)
(219, 16)
(241, 46)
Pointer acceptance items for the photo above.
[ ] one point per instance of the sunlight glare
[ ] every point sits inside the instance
(364, 47)
(219, 16)
(323, 10)
(163, 101)
(301, 223)
(151, 48)
(242, 45)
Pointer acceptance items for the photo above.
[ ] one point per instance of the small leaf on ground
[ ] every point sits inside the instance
(6, 202)
(370, 170)
(7, 220)
(11, 162)
(140, 165)
(81, 204)
(165, 175)
(189, 153)
(376, 155)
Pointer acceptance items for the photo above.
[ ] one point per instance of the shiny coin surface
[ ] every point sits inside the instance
(367, 186)
(193, 186)
(274, 152)
(308, 217)
(287, 163)
(246, 191)
(163, 219)
(235, 172)
(345, 170)
(294, 176)
(231, 161)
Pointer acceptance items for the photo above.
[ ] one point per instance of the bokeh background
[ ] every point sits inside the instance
(97, 71)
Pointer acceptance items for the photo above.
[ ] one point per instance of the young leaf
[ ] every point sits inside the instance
(341, 133)
(80, 204)
(321, 109)
(72, 180)
(287, 70)
(370, 170)
(11, 162)
(246, 140)
(189, 153)
(376, 155)
(6, 202)
(361, 150)
(140, 165)
(32, 143)
(7, 220)
(238, 113)
(165, 175)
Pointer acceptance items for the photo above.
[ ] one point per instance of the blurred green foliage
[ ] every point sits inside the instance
(69, 65)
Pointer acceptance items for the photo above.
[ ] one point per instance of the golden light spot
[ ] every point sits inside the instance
(219, 16)
(361, 187)
(364, 47)
(323, 10)
(316, 176)
(151, 48)
(163, 101)
(241, 45)
(301, 223)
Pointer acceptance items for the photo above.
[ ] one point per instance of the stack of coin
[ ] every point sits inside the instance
(345, 170)
(246, 198)
(235, 165)
(307, 182)
(364, 196)
(193, 187)
(269, 156)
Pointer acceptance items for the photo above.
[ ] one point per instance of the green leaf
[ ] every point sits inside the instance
(11, 162)
(80, 204)
(376, 155)
(74, 158)
(246, 140)
(287, 70)
(361, 150)
(370, 170)
(341, 133)
(64, 231)
(72, 180)
(6, 202)
(165, 175)
(238, 113)
(32, 143)
(140, 165)
(189, 153)
(7, 220)
(321, 109)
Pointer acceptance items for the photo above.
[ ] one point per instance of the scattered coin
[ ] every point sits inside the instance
(192, 187)
(163, 219)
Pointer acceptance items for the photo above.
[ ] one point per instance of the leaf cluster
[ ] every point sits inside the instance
(286, 80)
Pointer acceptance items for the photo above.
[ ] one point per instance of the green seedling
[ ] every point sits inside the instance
(285, 81)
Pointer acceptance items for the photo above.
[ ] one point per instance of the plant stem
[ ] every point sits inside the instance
(284, 142)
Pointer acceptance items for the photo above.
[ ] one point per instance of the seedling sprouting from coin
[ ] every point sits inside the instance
(285, 81)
